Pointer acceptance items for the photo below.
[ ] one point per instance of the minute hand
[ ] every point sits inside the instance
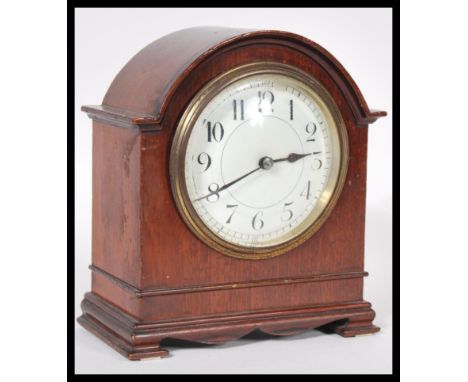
(227, 185)
(290, 158)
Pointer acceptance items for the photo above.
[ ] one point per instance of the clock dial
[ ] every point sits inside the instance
(261, 161)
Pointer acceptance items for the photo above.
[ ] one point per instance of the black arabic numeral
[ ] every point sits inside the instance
(241, 107)
(317, 164)
(311, 128)
(213, 188)
(306, 191)
(215, 132)
(265, 96)
(257, 222)
(234, 208)
(287, 211)
(205, 160)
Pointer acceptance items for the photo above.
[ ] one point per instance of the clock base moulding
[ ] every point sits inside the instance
(137, 340)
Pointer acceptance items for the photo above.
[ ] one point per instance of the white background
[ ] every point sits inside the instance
(33, 213)
(361, 40)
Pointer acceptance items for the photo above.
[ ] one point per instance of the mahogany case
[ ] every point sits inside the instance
(152, 278)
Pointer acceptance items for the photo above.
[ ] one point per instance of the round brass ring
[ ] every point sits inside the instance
(329, 196)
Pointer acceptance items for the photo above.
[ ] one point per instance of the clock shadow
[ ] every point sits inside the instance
(252, 337)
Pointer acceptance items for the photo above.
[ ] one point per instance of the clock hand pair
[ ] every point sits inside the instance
(264, 163)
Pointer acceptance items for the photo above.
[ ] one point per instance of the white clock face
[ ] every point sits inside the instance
(261, 161)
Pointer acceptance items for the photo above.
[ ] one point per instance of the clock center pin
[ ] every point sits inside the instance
(266, 163)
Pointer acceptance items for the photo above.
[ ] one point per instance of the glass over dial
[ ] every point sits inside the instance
(261, 161)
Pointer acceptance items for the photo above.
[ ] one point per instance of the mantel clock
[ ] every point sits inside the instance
(229, 178)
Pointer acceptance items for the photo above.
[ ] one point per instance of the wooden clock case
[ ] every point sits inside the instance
(152, 278)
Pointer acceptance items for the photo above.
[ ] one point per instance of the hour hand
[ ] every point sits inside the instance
(293, 157)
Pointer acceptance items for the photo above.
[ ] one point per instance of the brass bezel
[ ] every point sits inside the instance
(328, 197)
